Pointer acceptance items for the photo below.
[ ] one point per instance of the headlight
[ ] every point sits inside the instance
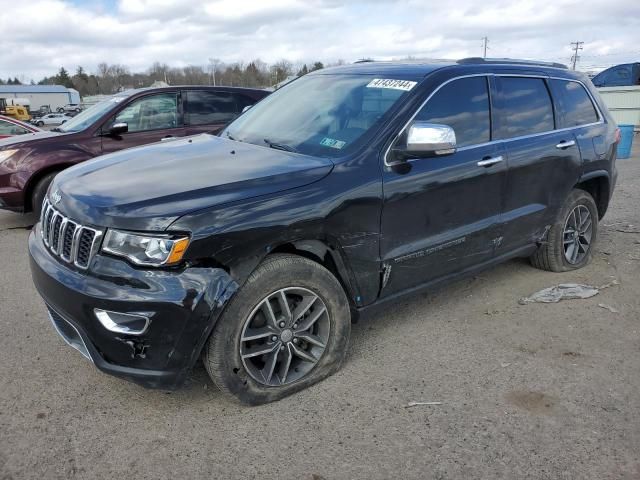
(152, 250)
(6, 154)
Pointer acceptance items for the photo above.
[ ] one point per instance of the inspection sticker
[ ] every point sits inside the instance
(405, 85)
(330, 142)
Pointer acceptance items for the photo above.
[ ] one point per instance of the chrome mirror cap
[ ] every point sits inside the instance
(433, 138)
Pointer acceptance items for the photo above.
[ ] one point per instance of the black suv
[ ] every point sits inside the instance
(344, 189)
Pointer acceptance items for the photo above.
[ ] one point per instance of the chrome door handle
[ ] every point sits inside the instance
(490, 161)
(167, 138)
(564, 144)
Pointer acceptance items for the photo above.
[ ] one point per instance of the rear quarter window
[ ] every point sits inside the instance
(204, 107)
(525, 107)
(575, 106)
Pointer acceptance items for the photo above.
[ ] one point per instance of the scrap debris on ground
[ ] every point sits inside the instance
(565, 291)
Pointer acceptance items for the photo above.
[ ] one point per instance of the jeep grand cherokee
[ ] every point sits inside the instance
(343, 190)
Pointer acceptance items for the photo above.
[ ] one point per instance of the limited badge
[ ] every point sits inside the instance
(405, 85)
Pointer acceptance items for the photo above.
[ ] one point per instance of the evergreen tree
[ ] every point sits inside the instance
(63, 78)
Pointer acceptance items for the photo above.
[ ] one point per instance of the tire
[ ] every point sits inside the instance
(40, 124)
(60, 110)
(290, 274)
(39, 192)
(552, 255)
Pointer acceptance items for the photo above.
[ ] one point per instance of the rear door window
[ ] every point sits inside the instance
(463, 105)
(524, 107)
(574, 104)
(204, 107)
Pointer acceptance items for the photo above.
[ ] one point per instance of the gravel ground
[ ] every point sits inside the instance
(526, 391)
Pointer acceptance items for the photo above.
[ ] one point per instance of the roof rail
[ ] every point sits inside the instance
(508, 61)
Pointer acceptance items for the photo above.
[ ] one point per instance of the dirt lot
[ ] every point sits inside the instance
(527, 391)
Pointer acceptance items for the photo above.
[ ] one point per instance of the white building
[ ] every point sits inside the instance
(38, 95)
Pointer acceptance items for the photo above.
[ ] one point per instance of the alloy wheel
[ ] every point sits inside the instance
(284, 336)
(577, 235)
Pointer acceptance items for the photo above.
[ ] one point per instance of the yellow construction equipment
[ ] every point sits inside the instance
(14, 111)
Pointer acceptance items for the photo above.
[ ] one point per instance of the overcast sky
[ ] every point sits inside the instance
(40, 36)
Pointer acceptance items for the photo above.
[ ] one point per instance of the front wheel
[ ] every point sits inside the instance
(570, 241)
(286, 329)
(40, 191)
(40, 124)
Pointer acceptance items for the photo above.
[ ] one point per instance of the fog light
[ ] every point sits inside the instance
(126, 323)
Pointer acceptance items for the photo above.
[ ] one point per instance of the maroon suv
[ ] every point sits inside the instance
(128, 119)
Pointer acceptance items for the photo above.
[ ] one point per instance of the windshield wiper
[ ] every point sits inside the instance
(280, 146)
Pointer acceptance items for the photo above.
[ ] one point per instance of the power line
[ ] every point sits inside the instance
(576, 46)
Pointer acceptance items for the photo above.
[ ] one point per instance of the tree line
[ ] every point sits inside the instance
(112, 78)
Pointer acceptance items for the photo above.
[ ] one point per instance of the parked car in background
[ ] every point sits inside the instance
(10, 127)
(128, 119)
(623, 75)
(344, 189)
(40, 112)
(52, 119)
(70, 107)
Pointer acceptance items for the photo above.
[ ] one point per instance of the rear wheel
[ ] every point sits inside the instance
(40, 124)
(286, 329)
(571, 238)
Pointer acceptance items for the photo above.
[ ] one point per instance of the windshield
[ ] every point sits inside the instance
(89, 116)
(321, 115)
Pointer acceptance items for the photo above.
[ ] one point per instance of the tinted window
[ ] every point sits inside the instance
(525, 107)
(244, 101)
(464, 106)
(210, 107)
(575, 105)
(153, 112)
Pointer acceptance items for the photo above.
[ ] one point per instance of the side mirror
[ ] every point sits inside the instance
(428, 139)
(118, 129)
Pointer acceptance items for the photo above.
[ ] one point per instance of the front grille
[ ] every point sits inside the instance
(68, 240)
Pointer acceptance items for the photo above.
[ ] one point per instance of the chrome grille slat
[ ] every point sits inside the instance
(84, 242)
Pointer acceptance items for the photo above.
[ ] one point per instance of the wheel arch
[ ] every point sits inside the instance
(329, 257)
(598, 185)
(35, 178)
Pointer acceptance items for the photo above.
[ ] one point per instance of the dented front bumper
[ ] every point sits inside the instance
(183, 306)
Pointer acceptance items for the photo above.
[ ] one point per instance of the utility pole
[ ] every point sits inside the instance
(576, 46)
(485, 40)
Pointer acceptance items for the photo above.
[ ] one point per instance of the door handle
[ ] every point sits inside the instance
(562, 145)
(487, 162)
(168, 137)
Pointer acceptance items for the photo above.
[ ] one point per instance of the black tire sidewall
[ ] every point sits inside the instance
(39, 192)
(222, 354)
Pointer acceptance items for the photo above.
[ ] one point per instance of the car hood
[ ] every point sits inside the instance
(28, 139)
(148, 188)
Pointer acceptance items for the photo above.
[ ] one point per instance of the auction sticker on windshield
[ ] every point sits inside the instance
(405, 85)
